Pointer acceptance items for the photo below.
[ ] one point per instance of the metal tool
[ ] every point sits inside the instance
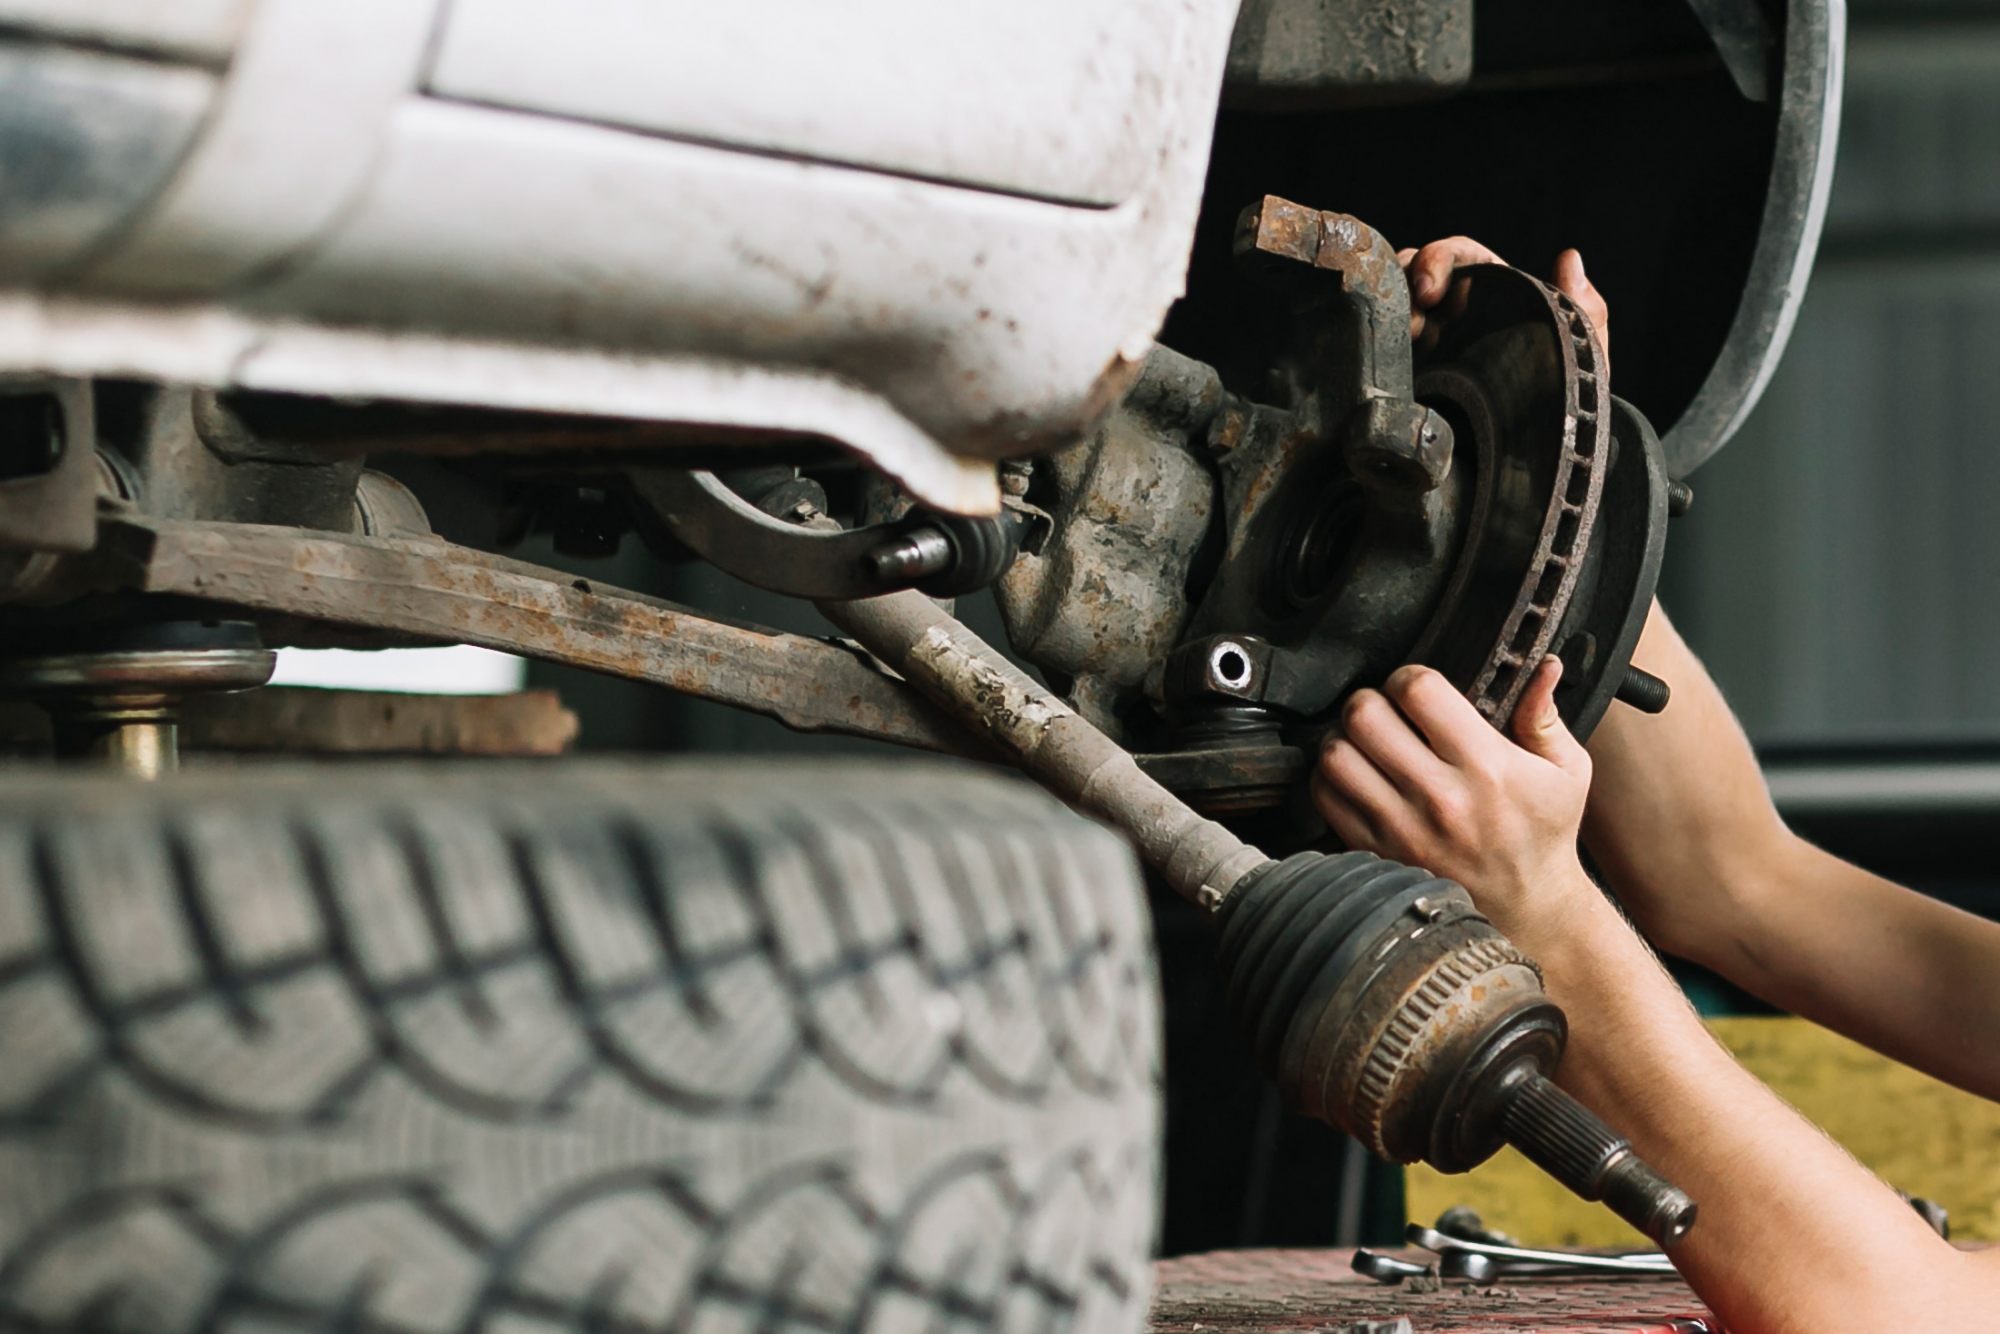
(1456, 1253)
(1484, 1262)
(1392, 1269)
(1484, 1269)
(1388, 1268)
(1463, 1222)
(1462, 1225)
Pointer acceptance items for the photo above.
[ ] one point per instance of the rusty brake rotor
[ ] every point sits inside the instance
(1519, 374)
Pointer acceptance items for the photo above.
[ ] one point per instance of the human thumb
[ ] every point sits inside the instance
(1538, 727)
(1570, 279)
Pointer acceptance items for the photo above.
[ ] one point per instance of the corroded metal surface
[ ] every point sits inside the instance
(787, 556)
(1104, 597)
(1225, 778)
(1581, 464)
(1264, 1292)
(1524, 373)
(303, 721)
(1199, 859)
(1331, 558)
(1279, 228)
(432, 590)
(1294, 54)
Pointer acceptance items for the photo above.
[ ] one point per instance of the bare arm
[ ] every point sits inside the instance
(1793, 1234)
(1683, 827)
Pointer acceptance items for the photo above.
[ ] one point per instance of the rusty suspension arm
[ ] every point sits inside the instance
(428, 589)
(955, 669)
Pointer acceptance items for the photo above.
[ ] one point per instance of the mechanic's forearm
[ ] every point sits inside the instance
(1867, 957)
(1683, 827)
(1679, 819)
(1792, 1233)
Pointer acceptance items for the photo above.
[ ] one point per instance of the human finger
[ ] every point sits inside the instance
(1372, 723)
(1538, 725)
(1574, 283)
(1454, 729)
(1430, 269)
(1353, 777)
(1342, 817)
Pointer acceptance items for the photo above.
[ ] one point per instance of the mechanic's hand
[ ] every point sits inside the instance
(1419, 776)
(1435, 299)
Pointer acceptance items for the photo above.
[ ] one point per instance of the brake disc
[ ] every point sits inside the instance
(1519, 375)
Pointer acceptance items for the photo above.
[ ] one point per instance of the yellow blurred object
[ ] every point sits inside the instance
(1917, 1134)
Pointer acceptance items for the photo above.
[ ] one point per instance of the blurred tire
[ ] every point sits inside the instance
(582, 1047)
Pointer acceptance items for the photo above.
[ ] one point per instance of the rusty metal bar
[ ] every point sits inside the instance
(430, 589)
(958, 671)
(302, 720)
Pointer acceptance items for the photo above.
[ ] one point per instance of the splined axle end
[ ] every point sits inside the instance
(1562, 1137)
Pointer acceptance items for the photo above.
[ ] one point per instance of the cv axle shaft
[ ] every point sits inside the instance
(1374, 994)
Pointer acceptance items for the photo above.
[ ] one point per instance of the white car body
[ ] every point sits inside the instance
(934, 233)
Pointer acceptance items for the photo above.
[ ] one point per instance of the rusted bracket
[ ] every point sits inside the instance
(430, 589)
